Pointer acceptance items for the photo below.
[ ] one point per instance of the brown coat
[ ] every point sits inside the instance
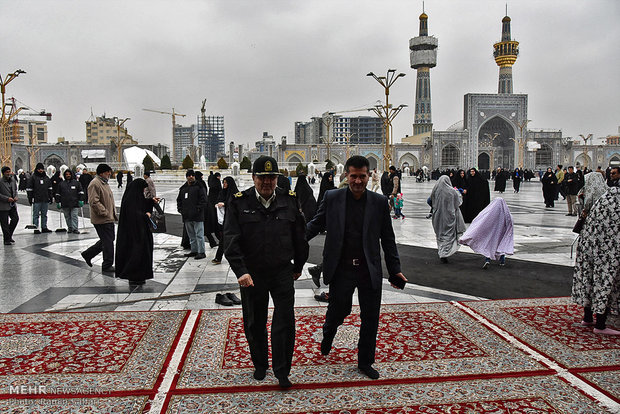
(101, 201)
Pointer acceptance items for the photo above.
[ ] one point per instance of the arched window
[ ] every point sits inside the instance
(544, 156)
(450, 155)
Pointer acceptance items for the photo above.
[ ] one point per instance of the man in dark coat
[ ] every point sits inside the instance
(70, 197)
(191, 203)
(39, 191)
(357, 221)
(85, 179)
(571, 180)
(264, 232)
(8, 205)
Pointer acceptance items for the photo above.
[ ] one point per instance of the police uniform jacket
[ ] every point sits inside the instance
(257, 239)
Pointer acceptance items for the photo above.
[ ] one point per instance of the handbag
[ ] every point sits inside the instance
(579, 224)
(158, 218)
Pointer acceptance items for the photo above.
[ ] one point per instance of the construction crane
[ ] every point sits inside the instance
(32, 146)
(174, 115)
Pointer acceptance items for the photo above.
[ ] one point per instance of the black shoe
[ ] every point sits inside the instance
(233, 298)
(326, 345)
(12, 241)
(315, 272)
(369, 371)
(284, 383)
(186, 247)
(136, 282)
(37, 231)
(259, 374)
(109, 269)
(190, 254)
(87, 260)
(75, 232)
(223, 300)
(323, 297)
(444, 260)
(215, 261)
(200, 256)
(46, 230)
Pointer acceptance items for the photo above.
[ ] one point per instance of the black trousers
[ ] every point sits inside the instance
(8, 221)
(255, 300)
(105, 245)
(341, 291)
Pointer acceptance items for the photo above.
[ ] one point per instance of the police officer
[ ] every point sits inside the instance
(264, 231)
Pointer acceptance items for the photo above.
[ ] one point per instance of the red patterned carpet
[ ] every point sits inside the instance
(433, 358)
(415, 342)
(546, 394)
(70, 359)
(552, 327)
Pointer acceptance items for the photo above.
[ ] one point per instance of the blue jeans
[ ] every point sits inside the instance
(196, 234)
(39, 208)
(71, 217)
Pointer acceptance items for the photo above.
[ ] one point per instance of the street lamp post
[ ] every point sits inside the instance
(585, 148)
(387, 113)
(328, 141)
(522, 141)
(5, 139)
(120, 141)
(491, 138)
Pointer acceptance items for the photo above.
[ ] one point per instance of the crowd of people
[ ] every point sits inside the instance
(284, 220)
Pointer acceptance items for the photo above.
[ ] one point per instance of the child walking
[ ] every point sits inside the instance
(398, 206)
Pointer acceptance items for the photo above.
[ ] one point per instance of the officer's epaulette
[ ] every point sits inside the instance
(292, 193)
(239, 194)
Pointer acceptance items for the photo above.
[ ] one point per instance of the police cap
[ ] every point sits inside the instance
(265, 165)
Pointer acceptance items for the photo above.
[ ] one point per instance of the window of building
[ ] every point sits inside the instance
(450, 155)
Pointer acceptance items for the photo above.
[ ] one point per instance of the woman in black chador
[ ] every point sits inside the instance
(134, 245)
(500, 180)
(478, 195)
(327, 183)
(549, 183)
(229, 189)
(306, 197)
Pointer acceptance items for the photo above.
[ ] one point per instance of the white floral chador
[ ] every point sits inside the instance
(596, 281)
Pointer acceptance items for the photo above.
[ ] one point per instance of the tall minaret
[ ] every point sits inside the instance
(505, 55)
(423, 57)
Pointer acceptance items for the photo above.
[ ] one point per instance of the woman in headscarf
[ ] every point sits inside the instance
(549, 183)
(134, 241)
(447, 218)
(478, 195)
(327, 183)
(306, 198)
(491, 233)
(211, 226)
(229, 189)
(284, 183)
(500, 180)
(596, 280)
(517, 177)
(594, 187)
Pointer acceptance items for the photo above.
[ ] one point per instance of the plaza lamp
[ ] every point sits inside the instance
(387, 113)
(5, 139)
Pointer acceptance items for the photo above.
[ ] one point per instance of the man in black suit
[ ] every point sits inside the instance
(355, 220)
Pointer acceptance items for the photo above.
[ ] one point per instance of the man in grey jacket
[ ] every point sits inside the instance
(8, 207)
(102, 215)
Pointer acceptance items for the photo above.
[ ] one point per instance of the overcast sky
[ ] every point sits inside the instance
(265, 64)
